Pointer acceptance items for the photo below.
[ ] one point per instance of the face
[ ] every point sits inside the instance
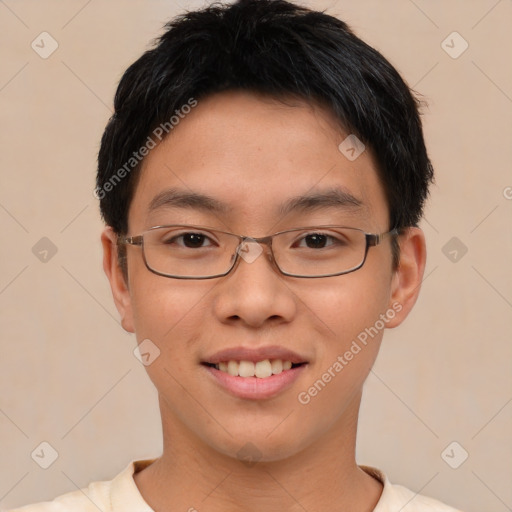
(251, 156)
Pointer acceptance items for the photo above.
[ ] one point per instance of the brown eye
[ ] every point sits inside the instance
(316, 241)
(189, 240)
(193, 240)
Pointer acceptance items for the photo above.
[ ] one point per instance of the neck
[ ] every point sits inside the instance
(191, 475)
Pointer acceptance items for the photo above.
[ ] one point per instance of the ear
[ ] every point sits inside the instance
(115, 276)
(406, 281)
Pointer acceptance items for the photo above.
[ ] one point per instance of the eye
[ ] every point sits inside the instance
(189, 240)
(318, 241)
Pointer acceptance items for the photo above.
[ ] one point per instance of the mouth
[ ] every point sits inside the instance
(252, 373)
(250, 369)
(248, 380)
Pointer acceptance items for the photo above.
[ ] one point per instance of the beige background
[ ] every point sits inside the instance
(67, 372)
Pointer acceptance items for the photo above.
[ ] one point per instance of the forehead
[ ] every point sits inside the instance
(252, 160)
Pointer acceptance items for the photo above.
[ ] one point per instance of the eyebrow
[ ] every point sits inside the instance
(334, 197)
(176, 198)
(331, 198)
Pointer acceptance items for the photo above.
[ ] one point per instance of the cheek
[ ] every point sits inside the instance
(167, 310)
(346, 305)
(350, 312)
(172, 315)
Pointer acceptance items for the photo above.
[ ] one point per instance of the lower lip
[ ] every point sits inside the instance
(254, 388)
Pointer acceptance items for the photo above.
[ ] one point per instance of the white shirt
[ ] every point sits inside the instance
(122, 495)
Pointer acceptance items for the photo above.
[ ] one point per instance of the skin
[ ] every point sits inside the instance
(253, 154)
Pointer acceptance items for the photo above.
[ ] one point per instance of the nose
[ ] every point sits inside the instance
(254, 292)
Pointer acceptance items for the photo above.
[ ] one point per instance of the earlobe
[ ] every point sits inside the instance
(118, 284)
(406, 282)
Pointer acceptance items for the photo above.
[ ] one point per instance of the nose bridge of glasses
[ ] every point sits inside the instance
(250, 248)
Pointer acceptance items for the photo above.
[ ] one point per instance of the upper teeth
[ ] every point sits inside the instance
(261, 369)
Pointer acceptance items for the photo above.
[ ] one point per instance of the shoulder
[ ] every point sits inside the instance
(117, 495)
(90, 499)
(412, 502)
(397, 497)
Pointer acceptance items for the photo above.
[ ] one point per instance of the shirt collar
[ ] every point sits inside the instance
(124, 493)
(126, 497)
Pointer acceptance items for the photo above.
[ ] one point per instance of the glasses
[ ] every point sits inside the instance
(195, 252)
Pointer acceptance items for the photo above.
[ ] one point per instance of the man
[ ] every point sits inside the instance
(262, 179)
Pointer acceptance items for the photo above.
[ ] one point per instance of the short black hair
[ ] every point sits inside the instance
(278, 49)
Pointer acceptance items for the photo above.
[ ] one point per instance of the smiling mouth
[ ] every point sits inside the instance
(261, 369)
